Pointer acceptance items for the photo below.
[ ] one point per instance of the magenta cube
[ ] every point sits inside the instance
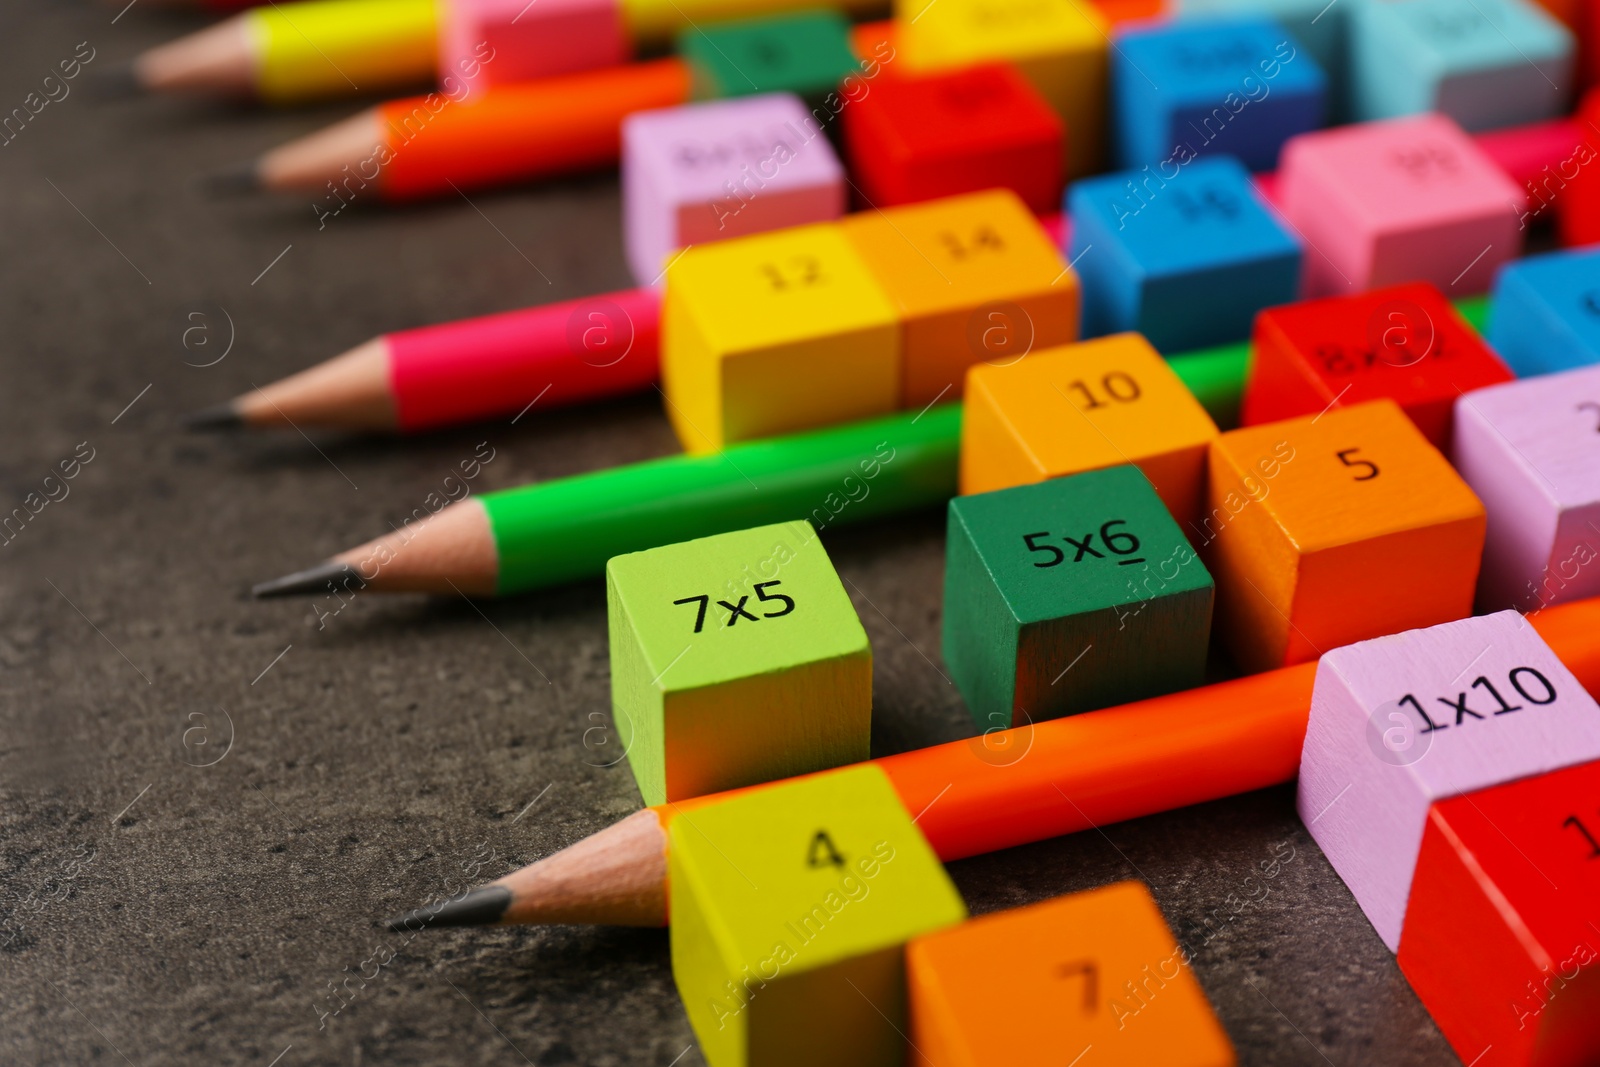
(1405, 200)
(708, 171)
(496, 42)
(1530, 449)
(1400, 722)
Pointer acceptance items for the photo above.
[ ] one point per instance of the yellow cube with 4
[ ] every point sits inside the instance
(791, 907)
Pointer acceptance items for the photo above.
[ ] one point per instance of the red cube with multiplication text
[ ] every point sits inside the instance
(1404, 342)
(916, 137)
(1502, 926)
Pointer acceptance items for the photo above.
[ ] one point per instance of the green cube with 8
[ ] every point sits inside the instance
(1071, 594)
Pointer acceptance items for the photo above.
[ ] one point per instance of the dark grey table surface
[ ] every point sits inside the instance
(154, 910)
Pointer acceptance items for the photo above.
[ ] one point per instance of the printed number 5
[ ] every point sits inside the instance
(1372, 468)
(762, 594)
(1027, 539)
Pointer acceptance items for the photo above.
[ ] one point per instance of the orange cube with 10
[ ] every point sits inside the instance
(1335, 528)
(1082, 407)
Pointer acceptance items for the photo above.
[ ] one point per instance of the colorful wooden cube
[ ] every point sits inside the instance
(654, 24)
(1545, 315)
(1332, 529)
(1049, 982)
(1527, 448)
(1322, 30)
(719, 680)
(1405, 342)
(1500, 938)
(1238, 86)
(1578, 222)
(1402, 721)
(1186, 255)
(775, 332)
(806, 52)
(506, 41)
(1485, 63)
(1082, 407)
(1059, 45)
(1068, 595)
(917, 137)
(725, 168)
(1405, 200)
(973, 279)
(790, 911)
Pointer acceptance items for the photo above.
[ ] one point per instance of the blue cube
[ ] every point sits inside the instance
(1184, 252)
(1319, 25)
(1544, 315)
(1484, 63)
(1240, 86)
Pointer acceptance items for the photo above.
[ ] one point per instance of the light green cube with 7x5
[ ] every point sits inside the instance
(790, 908)
(735, 659)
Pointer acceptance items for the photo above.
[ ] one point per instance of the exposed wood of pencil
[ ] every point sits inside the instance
(350, 390)
(1099, 765)
(309, 163)
(218, 60)
(451, 551)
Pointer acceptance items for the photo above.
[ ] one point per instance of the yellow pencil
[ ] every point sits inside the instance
(292, 53)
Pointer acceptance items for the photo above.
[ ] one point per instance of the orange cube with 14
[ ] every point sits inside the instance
(772, 333)
(1335, 528)
(974, 278)
(1082, 407)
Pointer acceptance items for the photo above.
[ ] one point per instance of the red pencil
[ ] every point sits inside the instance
(550, 355)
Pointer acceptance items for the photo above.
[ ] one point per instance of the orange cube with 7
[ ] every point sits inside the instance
(1405, 342)
(974, 278)
(774, 333)
(1046, 983)
(1336, 528)
(1083, 407)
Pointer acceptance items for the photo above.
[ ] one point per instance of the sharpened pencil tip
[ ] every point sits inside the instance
(116, 83)
(316, 579)
(477, 907)
(237, 178)
(216, 417)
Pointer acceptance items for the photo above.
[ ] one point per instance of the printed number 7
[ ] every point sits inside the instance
(1372, 468)
(1091, 981)
(700, 616)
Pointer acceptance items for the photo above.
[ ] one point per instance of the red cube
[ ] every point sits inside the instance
(1579, 219)
(917, 138)
(1404, 342)
(1501, 939)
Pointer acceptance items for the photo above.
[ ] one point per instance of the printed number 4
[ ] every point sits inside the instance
(1372, 468)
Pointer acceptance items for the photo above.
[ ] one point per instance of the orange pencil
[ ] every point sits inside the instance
(431, 145)
(992, 792)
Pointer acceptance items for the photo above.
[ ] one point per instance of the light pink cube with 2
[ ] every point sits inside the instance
(1402, 721)
(725, 168)
(1410, 199)
(1530, 449)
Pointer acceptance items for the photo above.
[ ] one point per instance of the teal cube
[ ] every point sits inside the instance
(1071, 594)
(1484, 63)
(807, 53)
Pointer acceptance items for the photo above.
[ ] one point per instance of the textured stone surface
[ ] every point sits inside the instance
(372, 759)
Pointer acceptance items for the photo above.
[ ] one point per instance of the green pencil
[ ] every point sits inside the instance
(521, 539)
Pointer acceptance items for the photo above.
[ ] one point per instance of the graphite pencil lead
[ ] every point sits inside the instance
(483, 906)
(117, 83)
(236, 178)
(216, 417)
(318, 579)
